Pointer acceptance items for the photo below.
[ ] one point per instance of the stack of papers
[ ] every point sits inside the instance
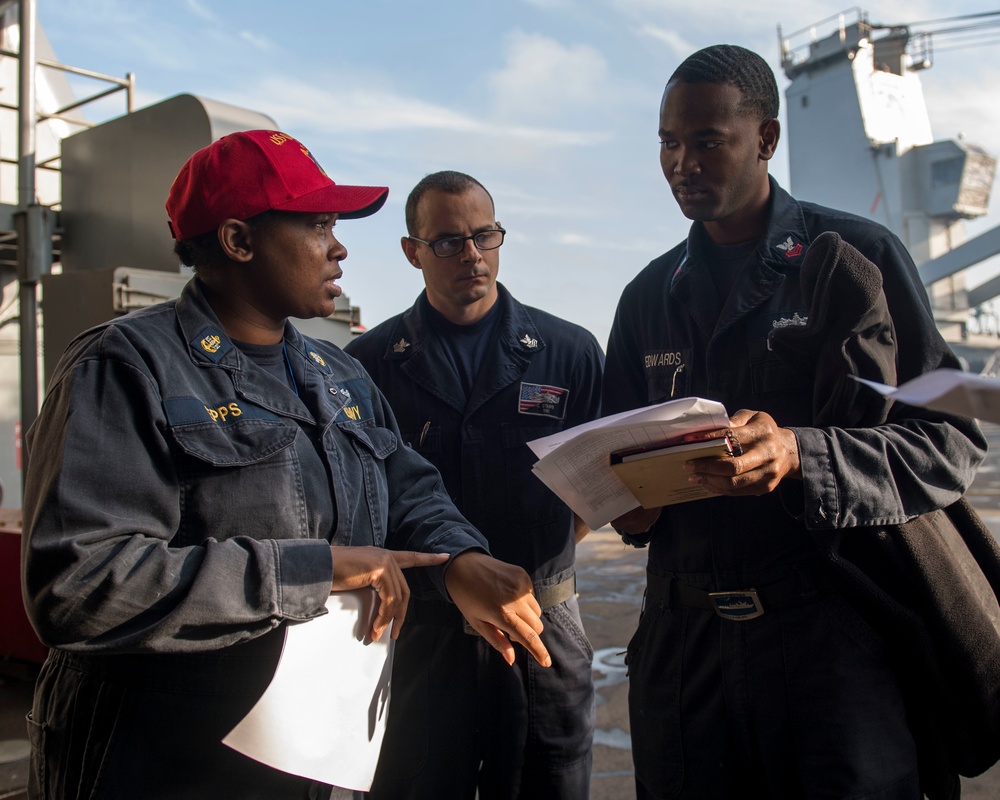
(576, 463)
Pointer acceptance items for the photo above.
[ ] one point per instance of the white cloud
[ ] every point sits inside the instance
(550, 5)
(382, 110)
(355, 110)
(260, 42)
(552, 137)
(200, 10)
(583, 240)
(542, 77)
(680, 46)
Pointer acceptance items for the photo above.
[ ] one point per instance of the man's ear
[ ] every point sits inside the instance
(235, 238)
(410, 250)
(770, 133)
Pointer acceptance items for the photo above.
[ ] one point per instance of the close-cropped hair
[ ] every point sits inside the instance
(447, 181)
(204, 251)
(199, 251)
(732, 65)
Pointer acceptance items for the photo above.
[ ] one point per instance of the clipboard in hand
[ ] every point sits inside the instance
(656, 477)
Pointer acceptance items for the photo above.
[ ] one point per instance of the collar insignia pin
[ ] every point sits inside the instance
(527, 341)
(794, 321)
(790, 247)
(400, 346)
(317, 358)
(211, 343)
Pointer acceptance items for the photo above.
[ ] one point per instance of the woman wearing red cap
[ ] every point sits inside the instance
(201, 474)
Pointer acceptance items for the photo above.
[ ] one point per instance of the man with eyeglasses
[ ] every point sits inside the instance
(472, 376)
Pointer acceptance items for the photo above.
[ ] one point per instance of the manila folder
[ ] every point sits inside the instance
(657, 477)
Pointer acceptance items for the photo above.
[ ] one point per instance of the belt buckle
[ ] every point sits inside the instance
(737, 606)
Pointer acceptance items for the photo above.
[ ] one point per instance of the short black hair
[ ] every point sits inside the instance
(447, 181)
(199, 251)
(204, 251)
(733, 65)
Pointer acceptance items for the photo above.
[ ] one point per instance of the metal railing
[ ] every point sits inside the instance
(126, 85)
(796, 47)
(33, 223)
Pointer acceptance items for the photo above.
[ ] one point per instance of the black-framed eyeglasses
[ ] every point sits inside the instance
(449, 246)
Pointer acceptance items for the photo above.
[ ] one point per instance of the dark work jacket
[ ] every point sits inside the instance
(179, 507)
(929, 585)
(166, 508)
(480, 446)
(671, 339)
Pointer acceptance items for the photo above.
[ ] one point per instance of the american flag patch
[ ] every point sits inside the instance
(542, 401)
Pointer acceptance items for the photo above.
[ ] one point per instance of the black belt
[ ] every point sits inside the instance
(739, 604)
(437, 612)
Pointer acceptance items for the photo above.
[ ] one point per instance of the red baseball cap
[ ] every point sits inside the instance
(250, 172)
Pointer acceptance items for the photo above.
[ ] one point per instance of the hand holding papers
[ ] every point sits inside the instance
(576, 463)
(950, 390)
(323, 715)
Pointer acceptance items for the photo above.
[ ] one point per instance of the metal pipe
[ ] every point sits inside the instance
(43, 117)
(86, 73)
(49, 167)
(26, 106)
(89, 99)
(29, 277)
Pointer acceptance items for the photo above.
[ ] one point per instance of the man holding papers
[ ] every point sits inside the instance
(750, 675)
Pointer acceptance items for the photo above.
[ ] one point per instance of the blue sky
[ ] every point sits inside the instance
(552, 104)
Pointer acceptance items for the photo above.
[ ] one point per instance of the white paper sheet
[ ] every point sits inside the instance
(950, 390)
(575, 463)
(323, 715)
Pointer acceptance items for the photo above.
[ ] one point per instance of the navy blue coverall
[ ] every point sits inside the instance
(801, 701)
(179, 508)
(455, 702)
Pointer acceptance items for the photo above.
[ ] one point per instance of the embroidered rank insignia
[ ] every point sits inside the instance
(400, 346)
(212, 343)
(317, 358)
(529, 342)
(542, 401)
(794, 321)
(790, 248)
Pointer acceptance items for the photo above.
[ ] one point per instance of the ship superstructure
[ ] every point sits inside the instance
(860, 140)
